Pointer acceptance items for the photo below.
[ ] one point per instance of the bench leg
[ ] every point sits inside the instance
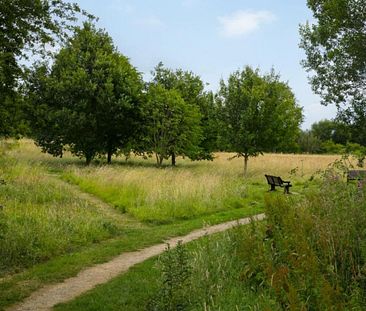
(273, 188)
(286, 190)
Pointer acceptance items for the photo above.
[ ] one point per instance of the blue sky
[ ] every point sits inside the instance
(213, 38)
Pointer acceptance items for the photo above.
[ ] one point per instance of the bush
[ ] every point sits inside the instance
(312, 255)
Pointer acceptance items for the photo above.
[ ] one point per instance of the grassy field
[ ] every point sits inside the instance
(49, 228)
(307, 255)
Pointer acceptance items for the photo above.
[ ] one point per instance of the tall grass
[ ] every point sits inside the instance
(40, 218)
(43, 218)
(191, 189)
(161, 196)
(308, 255)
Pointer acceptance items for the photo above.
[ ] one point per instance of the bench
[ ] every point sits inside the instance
(274, 181)
(356, 175)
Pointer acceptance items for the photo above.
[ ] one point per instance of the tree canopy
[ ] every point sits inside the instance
(191, 89)
(335, 53)
(171, 125)
(89, 98)
(26, 28)
(335, 50)
(258, 114)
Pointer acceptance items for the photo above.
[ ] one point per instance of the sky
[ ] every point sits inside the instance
(213, 38)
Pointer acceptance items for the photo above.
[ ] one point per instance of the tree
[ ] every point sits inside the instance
(308, 142)
(88, 101)
(26, 28)
(338, 132)
(191, 89)
(171, 125)
(335, 53)
(258, 114)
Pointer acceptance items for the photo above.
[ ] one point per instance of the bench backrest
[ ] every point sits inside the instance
(356, 174)
(274, 180)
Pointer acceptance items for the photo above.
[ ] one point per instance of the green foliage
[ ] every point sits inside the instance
(357, 151)
(176, 276)
(89, 99)
(331, 137)
(312, 256)
(338, 132)
(26, 28)
(335, 53)
(191, 88)
(334, 47)
(171, 126)
(330, 147)
(308, 142)
(258, 113)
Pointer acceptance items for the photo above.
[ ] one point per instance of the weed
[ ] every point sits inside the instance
(175, 281)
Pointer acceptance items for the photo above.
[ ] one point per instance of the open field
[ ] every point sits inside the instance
(60, 216)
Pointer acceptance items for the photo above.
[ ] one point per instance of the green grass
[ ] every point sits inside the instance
(214, 282)
(169, 205)
(41, 218)
(308, 254)
(49, 231)
(16, 287)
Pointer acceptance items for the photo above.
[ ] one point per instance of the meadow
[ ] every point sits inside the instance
(307, 255)
(59, 215)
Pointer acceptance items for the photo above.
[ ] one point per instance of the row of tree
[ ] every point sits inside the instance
(92, 102)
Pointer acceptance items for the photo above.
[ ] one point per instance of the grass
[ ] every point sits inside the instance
(41, 218)
(214, 283)
(49, 230)
(307, 255)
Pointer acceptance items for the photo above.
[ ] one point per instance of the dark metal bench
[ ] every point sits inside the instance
(356, 175)
(274, 181)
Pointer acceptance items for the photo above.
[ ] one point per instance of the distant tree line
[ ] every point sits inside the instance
(333, 137)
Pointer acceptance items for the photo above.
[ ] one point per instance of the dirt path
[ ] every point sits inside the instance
(49, 296)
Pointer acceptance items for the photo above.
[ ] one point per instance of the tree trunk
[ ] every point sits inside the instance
(159, 159)
(246, 158)
(173, 159)
(109, 156)
(88, 159)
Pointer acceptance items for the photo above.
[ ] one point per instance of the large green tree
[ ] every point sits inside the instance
(335, 53)
(191, 89)
(27, 27)
(88, 100)
(171, 126)
(258, 114)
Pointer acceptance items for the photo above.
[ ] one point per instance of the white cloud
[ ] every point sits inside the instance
(243, 22)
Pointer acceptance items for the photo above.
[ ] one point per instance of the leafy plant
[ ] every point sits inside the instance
(175, 281)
